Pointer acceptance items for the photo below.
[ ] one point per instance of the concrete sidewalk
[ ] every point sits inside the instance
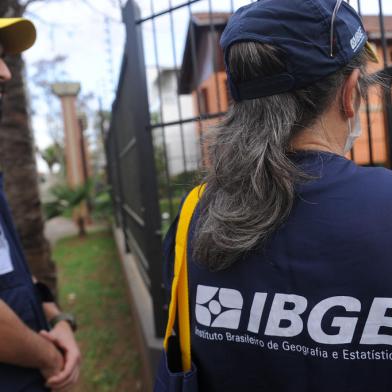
(60, 227)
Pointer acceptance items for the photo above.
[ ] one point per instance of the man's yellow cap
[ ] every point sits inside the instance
(16, 34)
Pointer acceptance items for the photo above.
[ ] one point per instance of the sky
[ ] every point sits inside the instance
(91, 35)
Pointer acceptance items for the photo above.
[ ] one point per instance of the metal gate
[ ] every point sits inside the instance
(154, 147)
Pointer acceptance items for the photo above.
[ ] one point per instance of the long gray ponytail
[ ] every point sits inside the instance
(251, 180)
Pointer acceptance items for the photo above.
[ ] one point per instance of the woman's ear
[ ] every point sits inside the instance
(350, 94)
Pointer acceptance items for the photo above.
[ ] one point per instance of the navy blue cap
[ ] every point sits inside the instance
(301, 30)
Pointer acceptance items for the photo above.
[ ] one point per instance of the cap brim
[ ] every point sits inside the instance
(16, 35)
(371, 53)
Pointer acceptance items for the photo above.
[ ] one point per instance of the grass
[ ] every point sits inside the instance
(92, 286)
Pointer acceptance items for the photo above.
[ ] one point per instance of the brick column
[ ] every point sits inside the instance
(74, 148)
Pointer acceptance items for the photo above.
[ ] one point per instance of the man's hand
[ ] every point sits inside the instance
(62, 336)
(21, 346)
(54, 364)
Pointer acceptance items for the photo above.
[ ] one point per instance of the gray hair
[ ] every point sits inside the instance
(251, 180)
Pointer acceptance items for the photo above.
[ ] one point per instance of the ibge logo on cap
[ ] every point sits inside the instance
(357, 39)
(218, 308)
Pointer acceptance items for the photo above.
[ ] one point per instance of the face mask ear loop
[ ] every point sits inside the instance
(359, 93)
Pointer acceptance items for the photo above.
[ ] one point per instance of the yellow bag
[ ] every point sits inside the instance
(179, 304)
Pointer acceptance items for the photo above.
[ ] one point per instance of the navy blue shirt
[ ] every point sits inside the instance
(17, 291)
(312, 310)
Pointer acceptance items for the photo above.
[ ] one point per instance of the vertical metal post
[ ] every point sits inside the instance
(111, 170)
(195, 64)
(367, 106)
(116, 162)
(213, 40)
(179, 107)
(384, 43)
(120, 188)
(139, 121)
(102, 133)
(369, 129)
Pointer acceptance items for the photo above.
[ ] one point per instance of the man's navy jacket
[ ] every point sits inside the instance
(17, 291)
(312, 310)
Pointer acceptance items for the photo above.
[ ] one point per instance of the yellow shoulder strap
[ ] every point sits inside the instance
(179, 291)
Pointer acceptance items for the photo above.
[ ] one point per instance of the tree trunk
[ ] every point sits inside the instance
(81, 227)
(17, 160)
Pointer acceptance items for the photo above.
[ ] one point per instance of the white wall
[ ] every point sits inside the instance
(170, 112)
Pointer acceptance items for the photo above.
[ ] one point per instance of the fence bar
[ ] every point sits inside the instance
(111, 171)
(167, 173)
(383, 35)
(179, 107)
(202, 117)
(367, 107)
(135, 217)
(213, 39)
(369, 127)
(121, 190)
(195, 68)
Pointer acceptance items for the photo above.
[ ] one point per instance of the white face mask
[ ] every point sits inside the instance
(353, 132)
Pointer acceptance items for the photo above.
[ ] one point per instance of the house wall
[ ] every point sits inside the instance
(216, 101)
(208, 47)
(176, 136)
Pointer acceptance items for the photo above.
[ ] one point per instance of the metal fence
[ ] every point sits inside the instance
(154, 144)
